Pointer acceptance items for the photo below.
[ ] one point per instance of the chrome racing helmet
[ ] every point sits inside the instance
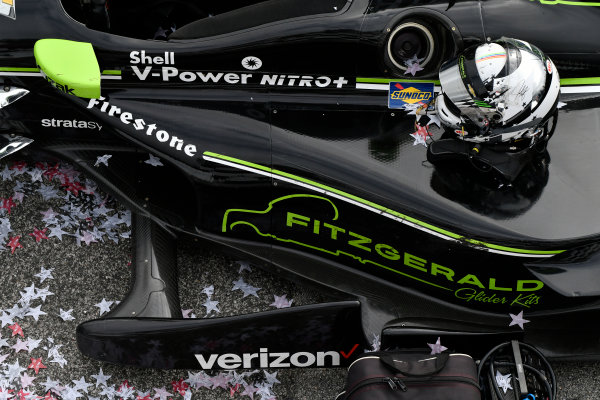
(503, 91)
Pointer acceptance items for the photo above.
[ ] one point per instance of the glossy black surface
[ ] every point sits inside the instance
(325, 181)
(174, 343)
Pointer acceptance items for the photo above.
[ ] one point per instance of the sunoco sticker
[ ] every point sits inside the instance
(404, 93)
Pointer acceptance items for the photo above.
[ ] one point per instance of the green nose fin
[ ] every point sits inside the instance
(69, 66)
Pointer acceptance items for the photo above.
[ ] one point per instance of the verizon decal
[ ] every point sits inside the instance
(265, 359)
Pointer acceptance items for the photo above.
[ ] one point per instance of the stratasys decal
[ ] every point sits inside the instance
(67, 123)
(167, 72)
(567, 85)
(7, 8)
(376, 208)
(139, 124)
(337, 240)
(266, 359)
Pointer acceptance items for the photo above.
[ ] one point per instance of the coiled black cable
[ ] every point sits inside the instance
(544, 375)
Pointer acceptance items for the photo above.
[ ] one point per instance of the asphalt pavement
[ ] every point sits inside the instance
(86, 264)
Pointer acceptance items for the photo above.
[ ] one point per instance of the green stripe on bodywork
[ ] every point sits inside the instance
(569, 3)
(13, 69)
(381, 208)
(512, 249)
(580, 81)
(563, 82)
(385, 80)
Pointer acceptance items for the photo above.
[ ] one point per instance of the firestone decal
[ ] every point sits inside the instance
(7, 8)
(362, 248)
(168, 73)
(127, 118)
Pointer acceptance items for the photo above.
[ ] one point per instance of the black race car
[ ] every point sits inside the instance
(275, 133)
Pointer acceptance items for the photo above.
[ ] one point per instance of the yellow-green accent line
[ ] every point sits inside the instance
(563, 82)
(386, 80)
(13, 69)
(382, 208)
(580, 81)
(569, 3)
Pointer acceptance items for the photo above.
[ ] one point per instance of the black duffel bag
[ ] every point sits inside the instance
(412, 375)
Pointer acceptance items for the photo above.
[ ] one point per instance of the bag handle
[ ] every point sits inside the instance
(426, 366)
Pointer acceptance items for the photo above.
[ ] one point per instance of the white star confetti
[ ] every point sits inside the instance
(20, 345)
(35, 312)
(281, 302)
(101, 379)
(237, 285)
(154, 161)
(503, 381)
(250, 290)
(211, 305)
(162, 393)
(413, 65)
(208, 290)
(375, 344)
(33, 344)
(104, 306)
(75, 211)
(434, 119)
(244, 266)
(45, 274)
(518, 320)
(66, 315)
(103, 160)
(81, 384)
(437, 348)
(26, 380)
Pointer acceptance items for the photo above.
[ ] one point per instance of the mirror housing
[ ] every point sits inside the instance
(69, 66)
(10, 94)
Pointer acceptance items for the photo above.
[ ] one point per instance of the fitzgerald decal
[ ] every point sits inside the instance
(469, 287)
